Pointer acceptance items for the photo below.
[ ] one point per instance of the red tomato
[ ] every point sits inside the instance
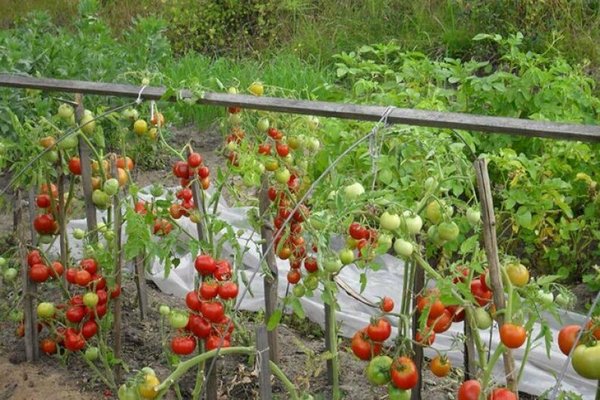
(213, 342)
(56, 269)
(436, 307)
(357, 231)
(193, 301)
(194, 160)
(213, 310)
(457, 313)
(74, 340)
(594, 324)
(502, 394)
(75, 165)
(48, 346)
(71, 275)
(430, 337)
(83, 278)
(102, 296)
(264, 148)
(203, 173)
(362, 347)
(89, 329)
(45, 224)
(386, 304)
(282, 149)
(482, 278)
(90, 265)
(205, 264)
(441, 323)
(566, 338)
(379, 330)
(43, 201)
(228, 290)
(181, 169)
(512, 336)
(75, 314)
(469, 390)
(198, 326)
(440, 366)
(115, 291)
(223, 270)
(294, 276)
(39, 273)
(209, 290)
(183, 345)
(311, 265)
(34, 257)
(404, 373)
(482, 296)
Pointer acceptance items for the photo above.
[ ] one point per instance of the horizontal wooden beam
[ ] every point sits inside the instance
(433, 119)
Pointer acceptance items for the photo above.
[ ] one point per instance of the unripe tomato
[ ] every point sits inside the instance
(140, 127)
(518, 274)
(586, 360)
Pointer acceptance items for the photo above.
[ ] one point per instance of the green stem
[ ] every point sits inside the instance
(477, 338)
(185, 366)
(508, 315)
(199, 376)
(99, 375)
(289, 386)
(425, 265)
(490, 366)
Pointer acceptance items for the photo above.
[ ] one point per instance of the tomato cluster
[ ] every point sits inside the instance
(73, 323)
(186, 172)
(47, 200)
(206, 319)
(586, 352)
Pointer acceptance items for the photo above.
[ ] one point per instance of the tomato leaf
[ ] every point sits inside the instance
(274, 319)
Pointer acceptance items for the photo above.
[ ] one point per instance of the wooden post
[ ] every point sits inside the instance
(491, 250)
(264, 368)
(328, 343)
(271, 279)
(29, 287)
(118, 254)
(417, 287)
(140, 284)
(470, 363)
(86, 174)
(62, 216)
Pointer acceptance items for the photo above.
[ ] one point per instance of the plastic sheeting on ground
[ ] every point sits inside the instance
(539, 374)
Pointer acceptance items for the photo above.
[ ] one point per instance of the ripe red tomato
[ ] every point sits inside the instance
(457, 313)
(404, 373)
(462, 273)
(125, 163)
(45, 224)
(436, 307)
(274, 133)
(75, 314)
(502, 394)
(53, 190)
(181, 169)
(566, 338)
(90, 265)
(34, 257)
(483, 279)
(512, 336)
(264, 148)
(213, 342)
(469, 390)
(223, 270)
(441, 323)
(205, 264)
(83, 278)
(311, 265)
(102, 296)
(362, 347)
(185, 194)
(89, 329)
(379, 330)
(43, 201)
(115, 291)
(71, 275)
(228, 290)
(482, 296)
(209, 290)
(594, 325)
(357, 231)
(386, 304)
(194, 160)
(183, 345)
(193, 301)
(213, 310)
(39, 273)
(48, 346)
(440, 366)
(203, 173)
(294, 276)
(198, 326)
(282, 149)
(75, 165)
(74, 340)
(162, 227)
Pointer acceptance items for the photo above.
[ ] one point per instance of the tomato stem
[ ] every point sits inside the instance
(333, 347)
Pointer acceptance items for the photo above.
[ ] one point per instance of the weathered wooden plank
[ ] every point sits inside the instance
(491, 251)
(118, 254)
(264, 368)
(434, 119)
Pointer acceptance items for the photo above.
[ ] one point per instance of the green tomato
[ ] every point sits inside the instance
(65, 111)
(92, 353)
(263, 124)
(282, 175)
(546, 298)
(313, 144)
(473, 216)
(313, 122)
(378, 370)
(384, 242)
(51, 156)
(68, 143)
(311, 281)
(403, 248)
(88, 124)
(178, 319)
(483, 320)
(235, 119)
(2, 262)
(346, 257)
(45, 239)
(430, 183)
(156, 190)
(586, 360)
(388, 221)
(109, 235)
(127, 393)
(78, 233)
(299, 290)
(46, 310)
(413, 223)
(164, 310)
(111, 186)
(433, 212)
(16, 316)
(563, 300)
(101, 227)
(90, 299)
(10, 274)
(395, 393)
(100, 199)
(333, 265)
(448, 231)
(354, 191)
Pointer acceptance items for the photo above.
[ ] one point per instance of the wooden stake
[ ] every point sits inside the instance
(140, 284)
(29, 287)
(491, 251)
(418, 284)
(470, 362)
(116, 209)
(264, 368)
(86, 174)
(271, 279)
(62, 219)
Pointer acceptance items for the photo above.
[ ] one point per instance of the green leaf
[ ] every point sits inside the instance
(274, 319)
(297, 307)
